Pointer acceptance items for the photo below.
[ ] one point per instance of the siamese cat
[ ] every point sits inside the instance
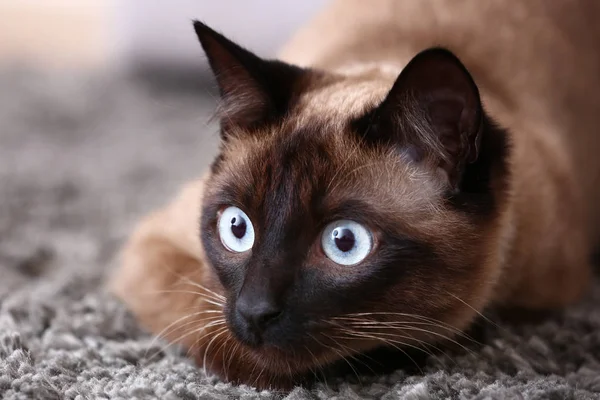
(399, 168)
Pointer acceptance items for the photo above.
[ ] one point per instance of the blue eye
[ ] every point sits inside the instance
(236, 230)
(346, 242)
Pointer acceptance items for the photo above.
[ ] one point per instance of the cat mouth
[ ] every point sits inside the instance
(290, 361)
(311, 350)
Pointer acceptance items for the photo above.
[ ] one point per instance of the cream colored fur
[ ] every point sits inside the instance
(537, 64)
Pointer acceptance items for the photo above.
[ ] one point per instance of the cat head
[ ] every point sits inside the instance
(346, 212)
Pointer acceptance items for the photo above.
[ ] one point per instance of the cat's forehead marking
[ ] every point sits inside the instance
(290, 169)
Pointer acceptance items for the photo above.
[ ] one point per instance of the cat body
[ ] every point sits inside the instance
(468, 171)
(538, 73)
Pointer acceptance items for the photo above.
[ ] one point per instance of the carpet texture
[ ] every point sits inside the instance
(81, 158)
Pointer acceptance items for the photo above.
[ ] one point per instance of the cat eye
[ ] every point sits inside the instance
(346, 242)
(236, 230)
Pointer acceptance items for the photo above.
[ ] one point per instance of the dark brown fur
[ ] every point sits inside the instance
(303, 147)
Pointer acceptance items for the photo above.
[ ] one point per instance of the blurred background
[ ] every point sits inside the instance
(105, 110)
(145, 36)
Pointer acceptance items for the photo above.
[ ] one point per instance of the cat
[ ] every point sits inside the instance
(399, 168)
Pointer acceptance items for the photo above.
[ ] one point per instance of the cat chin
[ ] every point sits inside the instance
(269, 367)
(264, 368)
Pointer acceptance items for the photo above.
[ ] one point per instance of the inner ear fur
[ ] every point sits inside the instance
(432, 111)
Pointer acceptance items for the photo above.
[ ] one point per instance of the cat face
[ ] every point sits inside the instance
(347, 213)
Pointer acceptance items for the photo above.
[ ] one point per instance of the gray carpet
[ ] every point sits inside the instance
(80, 159)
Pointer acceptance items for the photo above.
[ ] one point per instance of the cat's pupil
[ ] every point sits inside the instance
(344, 239)
(238, 227)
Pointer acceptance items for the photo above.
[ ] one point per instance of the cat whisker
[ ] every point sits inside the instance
(214, 303)
(200, 329)
(437, 334)
(401, 326)
(223, 346)
(414, 326)
(426, 345)
(173, 326)
(215, 295)
(394, 324)
(202, 334)
(434, 321)
(210, 320)
(319, 367)
(289, 366)
(195, 307)
(216, 334)
(234, 349)
(313, 361)
(349, 352)
(341, 355)
(186, 279)
(351, 329)
(495, 325)
(184, 335)
(391, 313)
(393, 343)
(200, 295)
(262, 370)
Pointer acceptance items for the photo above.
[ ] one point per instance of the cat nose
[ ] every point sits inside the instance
(258, 314)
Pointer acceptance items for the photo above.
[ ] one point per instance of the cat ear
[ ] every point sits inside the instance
(253, 91)
(434, 111)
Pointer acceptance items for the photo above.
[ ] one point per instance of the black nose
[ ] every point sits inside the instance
(257, 314)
